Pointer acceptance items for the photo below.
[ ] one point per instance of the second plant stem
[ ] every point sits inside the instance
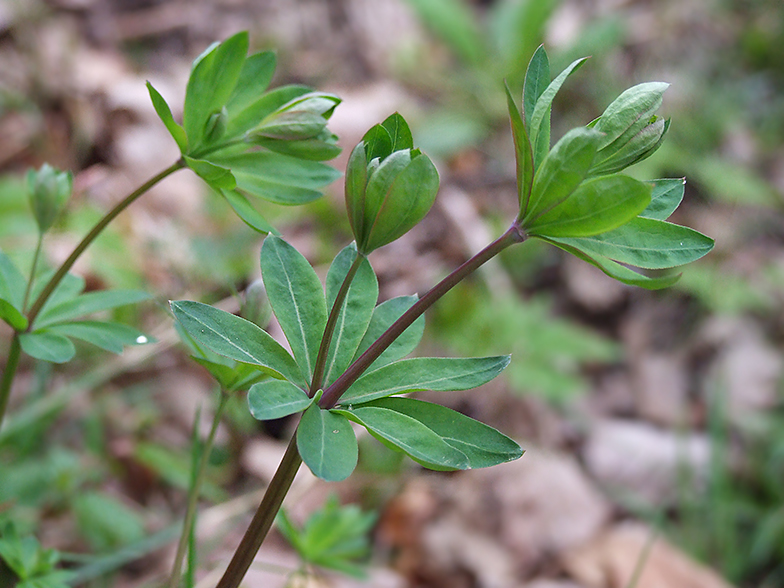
(287, 469)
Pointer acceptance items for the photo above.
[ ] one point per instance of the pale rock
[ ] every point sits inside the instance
(661, 387)
(638, 462)
(612, 560)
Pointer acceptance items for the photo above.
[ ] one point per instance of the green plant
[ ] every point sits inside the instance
(347, 364)
(24, 564)
(334, 537)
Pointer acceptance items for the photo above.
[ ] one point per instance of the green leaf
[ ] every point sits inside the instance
(537, 78)
(219, 178)
(109, 336)
(12, 316)
(480, 443)
(646, 243)
(564, 168)
(243, 117)
(236, 338)
(87, 304)
(455, 23)
(378, 143)
(616, 270)
(666, 196)
(320, 148)
(539, 124)
(297, 299)
(424, 373)
(165, 114)
(355, 313)
(68, 289)
(384, 315)
(105, 521)
(523, 153)
(212, 81)
(254, 79)
(410, 436)
(275, 399)
(327, 444)
(278, 178)
(596, 206)
(399, 133)
(247, 213)
(47, 346)
(12, 282)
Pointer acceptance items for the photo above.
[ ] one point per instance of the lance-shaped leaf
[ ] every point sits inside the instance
(235, 338)
(12, 282)
(327, 444)
(85, 304)
(424, 373)
(666, 196)
(297, 299)
(165, 114)
(646, 243)
(244, 116)
(249, 215)
(405, 433)
(218, 177)
(539, 123)
(109, 336)
(617, 271)
(537, 78)
(355, 313)
(47, 346)
(481, 444)
(524, 157)
(629, 113)
(276, 399)
(384, 315)
(564, 168)
(596, 206)
(12, 316)
(399, 134)
(255, 77)
(275, 177)
(212, 81)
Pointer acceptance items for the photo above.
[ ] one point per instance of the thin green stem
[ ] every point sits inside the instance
(11, 364)
(333, 393)
(194, 491)
(329, 329)
(93, 234)
(36, 257)
(264, 517)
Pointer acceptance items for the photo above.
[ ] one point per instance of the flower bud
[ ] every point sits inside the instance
(48, 190)
(256, 307)
(390, 186)
(632, 132)
(304, 117)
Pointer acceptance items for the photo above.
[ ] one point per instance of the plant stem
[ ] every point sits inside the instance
(91, 236)
(333, 393)
(36, 256)
(329, 329)
(264, 517)
(194, 491)
(284, 476)
(8, 375)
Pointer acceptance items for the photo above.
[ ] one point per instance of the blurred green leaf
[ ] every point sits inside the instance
(88, 303)
(254, 79)
(12, 282)
(164, 113)
(47, 346)
(105, 521)
(249, 215)
(12, 316)
(455, 23)
(109, 336)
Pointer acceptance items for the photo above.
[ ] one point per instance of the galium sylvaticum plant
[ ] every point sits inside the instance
(348, 362)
